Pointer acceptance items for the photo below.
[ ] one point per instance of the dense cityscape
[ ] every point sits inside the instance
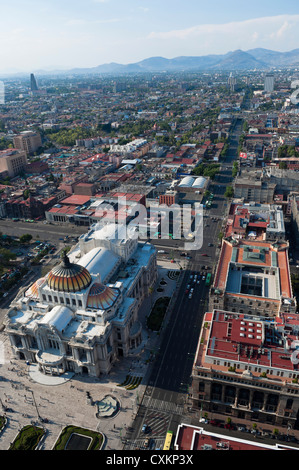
(164, 341)
(149, 255)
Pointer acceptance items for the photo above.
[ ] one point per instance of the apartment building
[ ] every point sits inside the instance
(13, 162)
(28, 141)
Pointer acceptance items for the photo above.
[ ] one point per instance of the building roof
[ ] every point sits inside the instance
(251, 255)
(196, 438)
(68, 277)
(75, 200)
(101, 297)
(246, 341)
(32, 292)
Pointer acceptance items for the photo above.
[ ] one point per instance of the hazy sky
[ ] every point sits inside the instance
(51, 34)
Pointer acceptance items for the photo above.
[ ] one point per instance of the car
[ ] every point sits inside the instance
(210, 244)
(229, 426)
(151, 443)
(190, 296)
(204, 254)
(203, 278)
(145, 428)
(215, 422)
(242, 429)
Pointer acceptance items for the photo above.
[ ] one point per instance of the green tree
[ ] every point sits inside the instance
(26, 238)
(229, 192)
(283, 165)
(6, 255)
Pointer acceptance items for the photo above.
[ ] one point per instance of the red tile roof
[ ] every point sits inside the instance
(195, 438)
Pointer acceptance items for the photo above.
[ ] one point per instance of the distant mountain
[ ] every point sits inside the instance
(276, 59)
(254, 59)
(239, 60)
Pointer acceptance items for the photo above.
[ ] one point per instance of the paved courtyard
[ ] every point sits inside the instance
(31, 398)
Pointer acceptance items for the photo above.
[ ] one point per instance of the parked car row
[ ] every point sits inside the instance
(256, 432)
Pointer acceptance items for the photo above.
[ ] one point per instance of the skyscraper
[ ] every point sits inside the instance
(33, 84)
(232, 82)
(269, 83)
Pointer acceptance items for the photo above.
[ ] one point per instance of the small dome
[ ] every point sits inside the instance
(69, 277)
(32, 292)
(101, 297)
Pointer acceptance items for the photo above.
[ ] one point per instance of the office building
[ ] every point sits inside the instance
(253, 277)
(33, 83)
(246, 367)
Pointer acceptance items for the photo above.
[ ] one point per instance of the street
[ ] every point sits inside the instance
(167, 389)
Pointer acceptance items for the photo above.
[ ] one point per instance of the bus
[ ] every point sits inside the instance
(208, 279)
(168, 439)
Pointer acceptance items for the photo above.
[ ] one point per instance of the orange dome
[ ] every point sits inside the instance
(33, 290)
(101, 296)
(69, 277)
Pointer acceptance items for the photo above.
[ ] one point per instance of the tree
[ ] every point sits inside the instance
(6, 255)
(283, 166)
(229, 192)
(26, 238)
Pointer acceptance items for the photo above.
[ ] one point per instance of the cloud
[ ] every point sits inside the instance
(82, 22)
(238, 32)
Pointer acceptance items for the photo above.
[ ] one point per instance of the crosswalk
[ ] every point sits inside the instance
(163, 406)
(157, 417)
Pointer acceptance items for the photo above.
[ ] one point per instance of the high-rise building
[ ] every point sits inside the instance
(232, 82)
(33, 84)
(269, 83)
(28, 141)
(12, 161)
